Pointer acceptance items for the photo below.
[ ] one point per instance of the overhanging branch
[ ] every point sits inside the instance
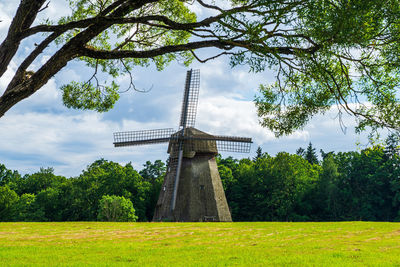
(105, 54)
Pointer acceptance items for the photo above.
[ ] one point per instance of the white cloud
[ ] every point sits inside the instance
(5, 21)
(67, 142)
(57, 9)
(7, 76)
(227, 116)
(215, 69)
(54, 11)
(46, 99)
(197, 9)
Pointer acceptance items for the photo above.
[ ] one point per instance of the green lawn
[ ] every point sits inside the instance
(200, 244)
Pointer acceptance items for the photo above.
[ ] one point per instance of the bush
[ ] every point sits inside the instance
(116, 209)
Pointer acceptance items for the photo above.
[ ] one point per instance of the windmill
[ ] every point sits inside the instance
(192, 189)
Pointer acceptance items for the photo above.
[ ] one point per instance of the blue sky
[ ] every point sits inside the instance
(41, 132)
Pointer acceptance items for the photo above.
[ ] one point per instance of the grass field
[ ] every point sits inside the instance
(199, 244)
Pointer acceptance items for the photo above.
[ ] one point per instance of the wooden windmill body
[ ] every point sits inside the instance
(192, 188)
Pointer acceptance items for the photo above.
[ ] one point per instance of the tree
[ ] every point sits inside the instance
(354, 44)
(271, 188)
(50, 202)
(326, 203)
(8, 177)
(323, 52)
(152, 171)
(391, 168)
(324, 154)
(392, 148)
(154, 174)
(259, 154)
(109, 178)
(28, 210)
(300, 152)
(287, 182)
(366, 185)
(41, 180)
(310, 155)
(116, 209)
(8, 199)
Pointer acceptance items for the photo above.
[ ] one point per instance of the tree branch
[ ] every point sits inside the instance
(23, 19)
(105, 54)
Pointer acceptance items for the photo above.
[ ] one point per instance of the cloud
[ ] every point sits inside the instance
(227, 116)
(197, 9)
(55, 10)
(68, 142)
(7, 76)
(7, 10)
(46, 99)
(5, 21)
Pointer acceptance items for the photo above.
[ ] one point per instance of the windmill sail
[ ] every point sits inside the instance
(144, 137)
(230, 145)
(223, 143)
(190, 99)
(188, 119)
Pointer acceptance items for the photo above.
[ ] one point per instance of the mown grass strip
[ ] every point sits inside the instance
(199, 244)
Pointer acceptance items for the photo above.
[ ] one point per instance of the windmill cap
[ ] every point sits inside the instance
(195, 141)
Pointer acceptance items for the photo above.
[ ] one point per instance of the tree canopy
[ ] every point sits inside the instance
(324, 52)
(354, 185)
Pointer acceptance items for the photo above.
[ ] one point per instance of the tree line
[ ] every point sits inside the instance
(104, 185)
(344, 186)
(355, 185)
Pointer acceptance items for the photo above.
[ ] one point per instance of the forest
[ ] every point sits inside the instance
(306, 186)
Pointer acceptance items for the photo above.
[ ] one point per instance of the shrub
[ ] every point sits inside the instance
(116, 209)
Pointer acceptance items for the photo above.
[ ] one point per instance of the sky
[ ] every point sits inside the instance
(41, 132)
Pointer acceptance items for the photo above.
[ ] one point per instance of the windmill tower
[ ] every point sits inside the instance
(192, 188)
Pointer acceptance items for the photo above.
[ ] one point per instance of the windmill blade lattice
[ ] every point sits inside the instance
(188, 119)
(144, 137)
(234, 146)
(190, 99)
(223, 143)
